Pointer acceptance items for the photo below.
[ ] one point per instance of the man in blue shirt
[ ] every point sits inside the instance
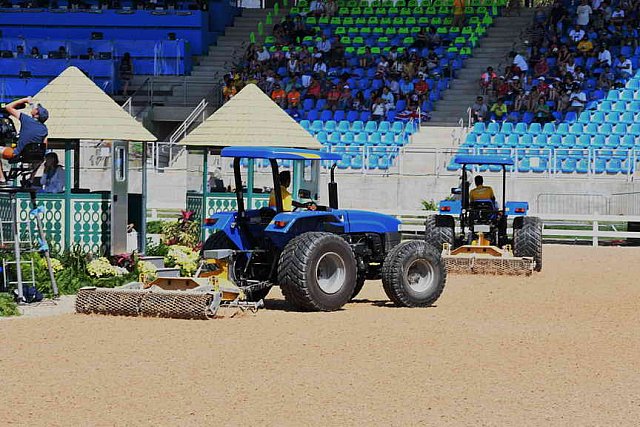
(32, 129)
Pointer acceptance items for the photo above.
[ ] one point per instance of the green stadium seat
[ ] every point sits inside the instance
(467, 31)
(356, 11)
(324, 20)
(405, 11)
(368, 11)
(410, 21)
(474, 20)
(335, 21)
(377, 31)
(447, 21)
(431, 10)
(391, 31)
(311, 20)
(408, 41)
(398, 21)
(344, 11)
(481, 10)
(423, 20)
(365, 31)
(361, 51)
(403, 31)
(381, 11)
(303, 4)
(345, 41)
(487, 20)
(373, 21)
(413, 3)
(269, 40)
(436, 21)
(414, 30)
(350, 50)
(340, 31)
(387, 3)
(400, 3)
(353, 31)
(383, 41)
(375, 50)
(358, 41)
(294, 11)
(361, 21)
(442, 30)
(348, 21)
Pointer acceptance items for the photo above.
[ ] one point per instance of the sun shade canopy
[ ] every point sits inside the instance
(483, 160)
(251, 118)
(277, 153)
(78, 109)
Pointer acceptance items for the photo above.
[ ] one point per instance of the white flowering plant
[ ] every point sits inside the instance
(147, 270)
(101, 267)
(183, 257)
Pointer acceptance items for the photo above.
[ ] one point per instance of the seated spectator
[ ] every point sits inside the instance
(623, 67)
(367, 59)
(521, 101)
(324, 45)
(331, 8)
(279, 96)
(35, 53)
(577, 99)
(486, 78)
(53, 177)
(346, 99)
(19, 51)
(421, 87)
(583, 13)
(388, 98)
(542, 67)
(360, 103)
(263, 55)
(316, 7)
(293, 98)
(333, 97)
(498, 111)
(406, 87)
(378, 110)
(576, 34)
(520, 65)
(229, 91)
(585, 47)
(542, 113)
(479, 110)
(604, 57)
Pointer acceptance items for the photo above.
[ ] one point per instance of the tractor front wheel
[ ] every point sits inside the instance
(527, 240)
(317, 272)
(413, 274)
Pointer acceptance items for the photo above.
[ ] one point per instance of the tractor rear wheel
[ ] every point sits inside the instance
(413, 274)
(437, 235)
(317, 272)
(219, 240)
(527, 240)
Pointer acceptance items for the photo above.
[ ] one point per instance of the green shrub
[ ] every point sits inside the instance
(429, 205)
(154, 227)
(8, 307)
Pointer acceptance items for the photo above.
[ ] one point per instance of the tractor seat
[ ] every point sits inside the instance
(483, 211)
(25, 165)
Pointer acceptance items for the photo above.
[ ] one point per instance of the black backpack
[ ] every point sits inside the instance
(30, 294)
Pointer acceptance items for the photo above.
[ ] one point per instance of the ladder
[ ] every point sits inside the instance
(18, 236)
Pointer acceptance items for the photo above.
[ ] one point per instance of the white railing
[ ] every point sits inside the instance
(183, 129)
(556, 227)
(127, 106)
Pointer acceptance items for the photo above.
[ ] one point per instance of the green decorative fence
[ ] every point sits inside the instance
(223, 202)
(87, 223)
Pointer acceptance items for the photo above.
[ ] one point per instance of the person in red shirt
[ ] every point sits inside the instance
(421, 88)
(333, 97)
(293, 97)
(314, 90)
(279, 96)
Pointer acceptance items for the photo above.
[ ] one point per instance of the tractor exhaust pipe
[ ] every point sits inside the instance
(333, 189)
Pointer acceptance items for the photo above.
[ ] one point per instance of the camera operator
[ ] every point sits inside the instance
(32, 129)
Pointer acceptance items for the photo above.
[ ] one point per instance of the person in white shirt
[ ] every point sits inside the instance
(320, 67)
(264, 55)
(324, 45)
(316, 7)
(595, 4)
(578, 100)
(520, 62)
(604, 57)
(624, 67)
(576, 34)
(583, 11)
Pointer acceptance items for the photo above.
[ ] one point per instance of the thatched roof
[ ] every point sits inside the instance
(251, 118)
(78, 109)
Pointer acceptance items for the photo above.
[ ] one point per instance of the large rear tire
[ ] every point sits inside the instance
(317, 272)
(413, 274)
(219, 240)
(437, 235)
(527, 240)
(359, 285)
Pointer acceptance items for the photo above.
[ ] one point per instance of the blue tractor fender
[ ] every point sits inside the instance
(450, 207)
(287, 225)
(517, 208)
(226, 222)
(369, 222)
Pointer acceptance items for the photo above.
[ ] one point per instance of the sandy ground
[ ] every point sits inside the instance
(560, 348)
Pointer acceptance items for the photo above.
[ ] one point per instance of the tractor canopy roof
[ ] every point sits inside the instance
(278, 153)
(468, 159)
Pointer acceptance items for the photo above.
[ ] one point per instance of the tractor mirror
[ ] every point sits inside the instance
(456, 190)
(304, 194)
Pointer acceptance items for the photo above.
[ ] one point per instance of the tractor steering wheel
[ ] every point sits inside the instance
(309, 206)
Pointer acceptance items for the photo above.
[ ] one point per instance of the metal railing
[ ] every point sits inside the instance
(590, 228)
(183, 129)
(127, 106)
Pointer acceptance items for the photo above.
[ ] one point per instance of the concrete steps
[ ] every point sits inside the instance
(493, 51)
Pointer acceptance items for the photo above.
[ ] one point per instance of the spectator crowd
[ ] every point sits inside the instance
(575, 55)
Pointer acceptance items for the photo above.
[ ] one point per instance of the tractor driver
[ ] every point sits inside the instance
(481, 192)
(287, 201)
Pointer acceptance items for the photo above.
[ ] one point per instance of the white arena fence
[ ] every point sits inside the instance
(556, 228)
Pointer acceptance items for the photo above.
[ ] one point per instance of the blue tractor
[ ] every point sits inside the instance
(320, 256)
(482, 243)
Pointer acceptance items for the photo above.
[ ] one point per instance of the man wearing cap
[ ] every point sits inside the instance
(32, 128)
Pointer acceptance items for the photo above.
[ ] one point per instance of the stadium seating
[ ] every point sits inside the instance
(599, 142)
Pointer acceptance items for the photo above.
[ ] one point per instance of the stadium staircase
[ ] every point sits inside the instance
(502, 38)
(175, 97)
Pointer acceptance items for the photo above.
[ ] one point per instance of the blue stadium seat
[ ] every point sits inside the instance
(570, 117)
(312, 115)
(317, 126)
(520, 129)
(507, 128)
(352, 116)
(498, 140)
(598, 141)
(549, 129)
(614, 166)
(307, 104)
(493, 128)
(620, 129)
(526, 140)
(347, 138)
(361, 139)
(590, 128)
(322, 137)
(375, 138)
(384, 126)
(478, 127)
(334, 138)
(527, 117)
(343, 126)
(371, 127)
(513, 140)
(388, 138)
(613, 141)
(330, 126)
(599, 165)
(635, 129)
(305, 124)
(613, 95)
(339, 115)
(365, 116)
(627, 117)
(524, 165)
(628, 141)
(535, 128)
(554, 140)
(541, 140)
(397, 127)
(569, 166)
(357, 126)
(542, 166)
(562, 129)
(356, 162)
(582, 166)
(585, 117)
(326, 115)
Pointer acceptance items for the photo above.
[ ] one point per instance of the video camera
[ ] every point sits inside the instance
(8, 133)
